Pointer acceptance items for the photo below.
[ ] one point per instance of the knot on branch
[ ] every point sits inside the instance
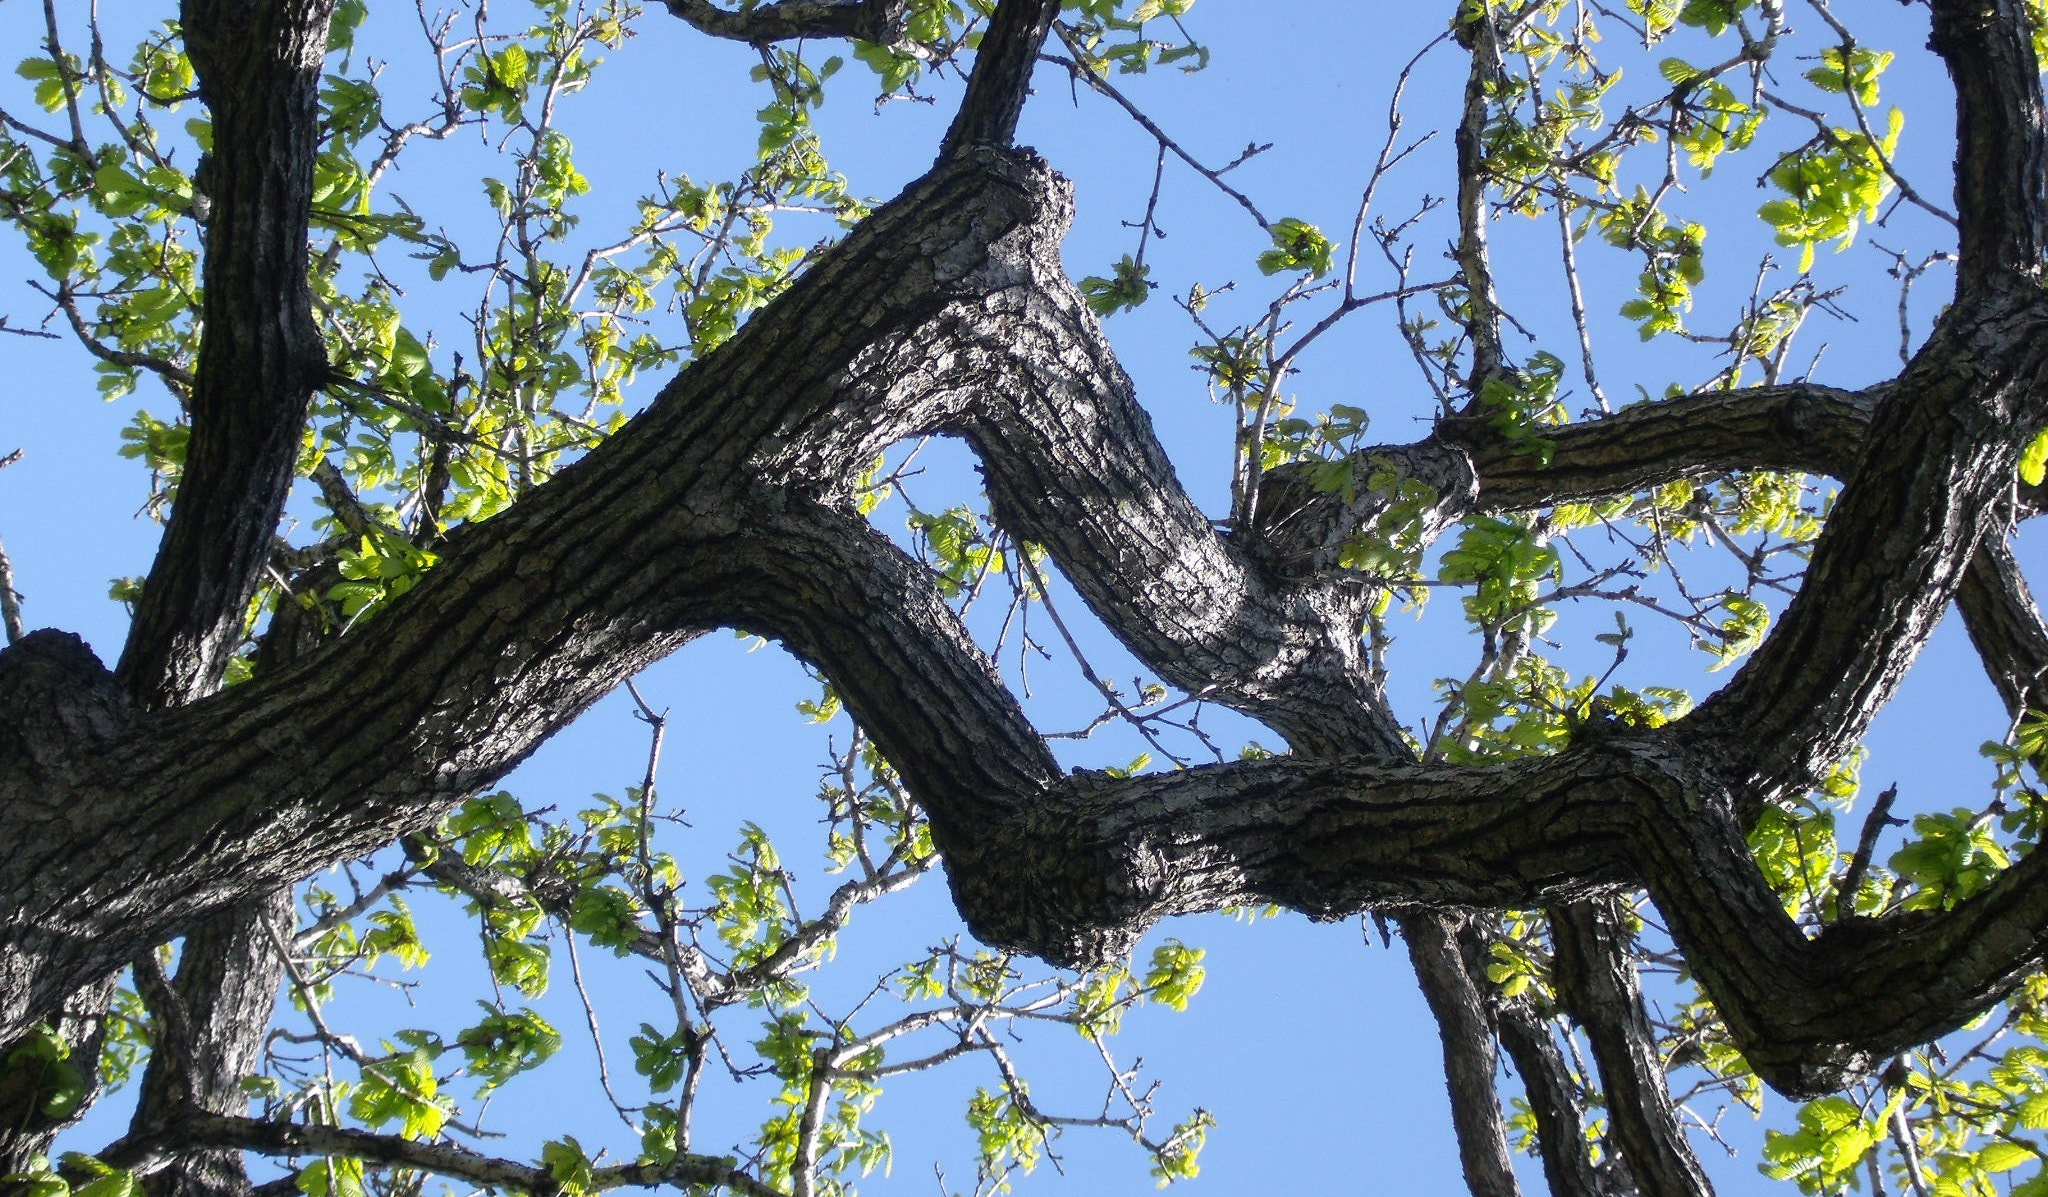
(60, 710)
(989, 192)
(1051, 883)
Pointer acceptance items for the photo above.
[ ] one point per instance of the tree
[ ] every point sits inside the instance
(489, 561)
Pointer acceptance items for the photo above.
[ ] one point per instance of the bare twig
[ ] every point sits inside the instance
(1104, 87)
(41, 333)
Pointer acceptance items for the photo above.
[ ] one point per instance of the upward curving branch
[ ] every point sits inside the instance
(1934, 472)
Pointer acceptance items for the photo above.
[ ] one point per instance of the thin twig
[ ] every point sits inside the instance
(1104, 87)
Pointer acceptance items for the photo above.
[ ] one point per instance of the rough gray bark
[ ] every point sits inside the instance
(1597, 983)
(1554, 1100)
(258, 68)
(142, 805)
(258, 65)
(878, 21)
(198, 1128)
(209, 1023)
(1456, 994)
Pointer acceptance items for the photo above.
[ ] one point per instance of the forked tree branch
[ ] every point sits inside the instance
(226, 986)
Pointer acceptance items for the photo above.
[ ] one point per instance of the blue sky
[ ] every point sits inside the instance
(1309, 1042)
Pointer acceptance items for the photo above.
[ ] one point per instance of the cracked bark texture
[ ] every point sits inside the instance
(1456, 991)
(1597, 983)
(142, 806)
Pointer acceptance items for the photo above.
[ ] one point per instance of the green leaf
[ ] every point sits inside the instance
(608, 915)
(1176, 974)
(569, 1165)
(1298, 245)
(42, 1062)
(507, 1043)
(2003, 1156)
(1127, 288)
(332, 1176)
(2034, 459)
(1678, 71)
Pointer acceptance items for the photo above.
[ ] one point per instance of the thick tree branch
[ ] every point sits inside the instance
(292, 1139)
(2001, 145)
(2006, 627)
(229, 967)
(493, 652)
(837, 593)
(1002, 75)
(1809, 1014)
(1069, 437)
(877, 21)
(1801, 427)
(1080, 866)
(261, 355)
(1553, 1098)
(1935, 469)
(1300, 529)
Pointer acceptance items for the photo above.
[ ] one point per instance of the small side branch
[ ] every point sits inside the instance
(444, 1159)
(1469, 1057)
(1482, 323)
(1873, 826)
(1597, 982)
(1554, 1100)
(10, 598)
